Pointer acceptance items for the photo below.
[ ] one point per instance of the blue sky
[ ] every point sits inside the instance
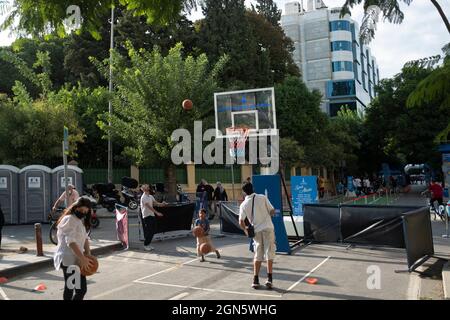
(422, 34)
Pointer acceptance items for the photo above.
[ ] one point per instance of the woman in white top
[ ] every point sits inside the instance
(73, 245)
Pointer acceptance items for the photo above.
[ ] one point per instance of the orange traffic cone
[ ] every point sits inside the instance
(3, 280)
(41, 287)
(312, 280)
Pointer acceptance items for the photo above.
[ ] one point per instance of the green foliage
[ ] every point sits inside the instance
(434, 90)
(46, 17)
(396, 132)
(31, 131)
(269, 10)
(260, 53)
(150, 91)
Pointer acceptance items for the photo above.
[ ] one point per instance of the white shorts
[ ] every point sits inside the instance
(264, 245)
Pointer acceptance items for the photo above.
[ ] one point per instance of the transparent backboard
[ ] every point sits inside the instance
(252, 109)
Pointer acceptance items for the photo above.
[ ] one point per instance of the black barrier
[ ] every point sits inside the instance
(176, 217)
(229, 218)
(418, 236)
(374, 225)
(322, 223)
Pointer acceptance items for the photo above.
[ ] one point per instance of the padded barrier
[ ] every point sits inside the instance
(374, 225)
(229, 218)
(322, 223)
(418, 235)
(176, 217)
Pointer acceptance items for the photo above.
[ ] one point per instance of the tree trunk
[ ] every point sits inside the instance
(442, 13)
(171, 182)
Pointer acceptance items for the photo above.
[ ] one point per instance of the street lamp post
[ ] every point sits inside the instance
(110, 148)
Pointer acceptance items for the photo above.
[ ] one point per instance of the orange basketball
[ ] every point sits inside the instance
(187, 105)
(205, 248)
(198, 232)
(90, 271)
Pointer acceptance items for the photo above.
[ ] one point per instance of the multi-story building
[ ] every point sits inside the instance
(330, 55)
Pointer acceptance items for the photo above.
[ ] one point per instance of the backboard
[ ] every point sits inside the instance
(253, 109)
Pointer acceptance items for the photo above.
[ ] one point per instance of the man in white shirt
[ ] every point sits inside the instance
(258, 210)
(73, 196)
(149, 214)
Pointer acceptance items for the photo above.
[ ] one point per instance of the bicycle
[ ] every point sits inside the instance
(53, 218)
(437, 209)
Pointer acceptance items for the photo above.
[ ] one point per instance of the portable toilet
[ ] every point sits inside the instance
(35, 194)
(74, 177)
(9, 193)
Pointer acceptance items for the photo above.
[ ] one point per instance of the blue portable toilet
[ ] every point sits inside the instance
(9, 193)
(35, 194)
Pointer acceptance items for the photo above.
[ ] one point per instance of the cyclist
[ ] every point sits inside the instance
(437, 193)
(73, 196)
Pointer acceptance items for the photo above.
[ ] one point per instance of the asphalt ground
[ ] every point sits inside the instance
(174, 272)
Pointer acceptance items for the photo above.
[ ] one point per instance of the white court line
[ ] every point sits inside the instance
(209, 290)
(166, 270)
(309, 273)
(414, 286)
(180, 296)
(112, 291)
(3, 294)
(128, 255)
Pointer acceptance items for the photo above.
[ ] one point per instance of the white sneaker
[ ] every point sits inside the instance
(148, 248)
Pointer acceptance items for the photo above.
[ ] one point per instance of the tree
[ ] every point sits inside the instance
(31, 131)
(401, 133)
(435, 90)
(298, 110)
(226, 30)
(269, 9)
(150, 89)
(277, 47)
(390, 10)
(46, 17)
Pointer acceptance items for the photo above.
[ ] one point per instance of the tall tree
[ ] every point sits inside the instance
(269, 9)
(150, 91)
(390, 10)
(402, 133)
(226, 30)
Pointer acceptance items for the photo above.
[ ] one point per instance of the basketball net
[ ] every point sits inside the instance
(237, 136)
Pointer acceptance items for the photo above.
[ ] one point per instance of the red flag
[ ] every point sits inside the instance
(122, 226)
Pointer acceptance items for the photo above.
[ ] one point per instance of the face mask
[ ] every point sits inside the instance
(79, 214)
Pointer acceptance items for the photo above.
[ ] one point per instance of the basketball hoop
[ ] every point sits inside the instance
(237, 136)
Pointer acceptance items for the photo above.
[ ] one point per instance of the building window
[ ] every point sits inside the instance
(355, 70)
(341, 88)
(336, 107)
(340, 25)
(341, 46)
(353, 32)
(342, 66)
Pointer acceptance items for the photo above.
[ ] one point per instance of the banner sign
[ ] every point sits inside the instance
(304, 191)
(271, 187)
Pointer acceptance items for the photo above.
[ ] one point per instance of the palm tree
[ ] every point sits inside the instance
(391, 11)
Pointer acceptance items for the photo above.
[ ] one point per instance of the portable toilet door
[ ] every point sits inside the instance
(9, 193)
(74, 177)
(35, 194)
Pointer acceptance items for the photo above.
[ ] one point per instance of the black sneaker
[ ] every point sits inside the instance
(269, 284)
(202, 259)
(218, 254)
(255, 284)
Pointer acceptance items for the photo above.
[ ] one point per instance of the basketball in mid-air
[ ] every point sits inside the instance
(198, 232)
(205, 248)
(187, 105)
(90, 271)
